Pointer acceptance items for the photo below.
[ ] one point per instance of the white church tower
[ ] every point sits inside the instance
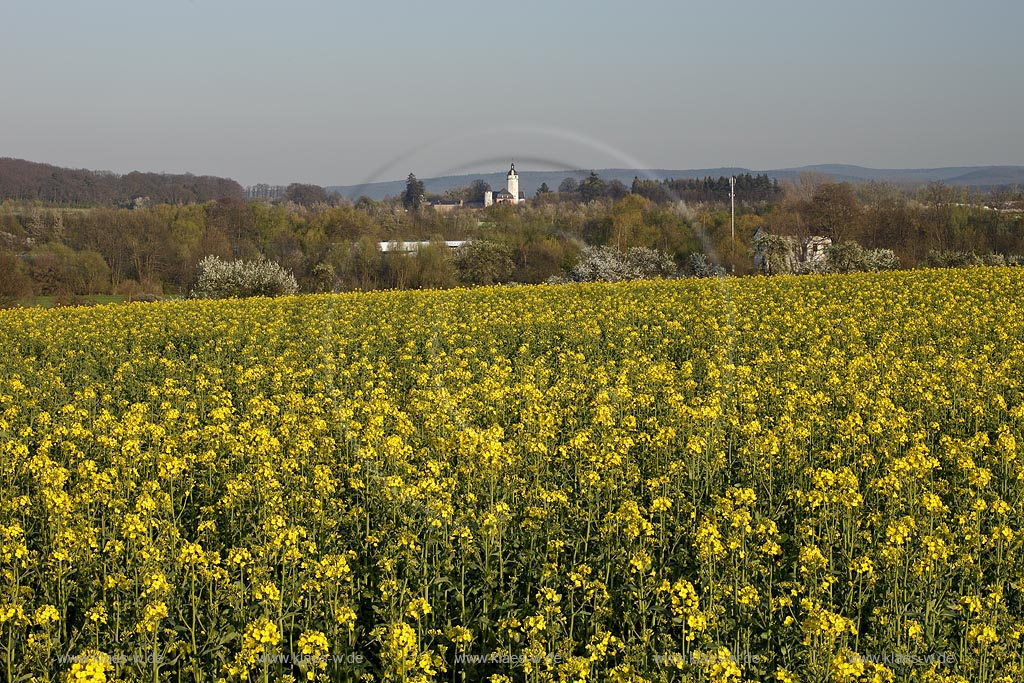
(510, 195)
(513, 183)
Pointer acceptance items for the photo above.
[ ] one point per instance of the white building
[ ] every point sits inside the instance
(394, 247)
(511, 193)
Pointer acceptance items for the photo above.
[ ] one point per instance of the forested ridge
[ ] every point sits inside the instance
(29, 180)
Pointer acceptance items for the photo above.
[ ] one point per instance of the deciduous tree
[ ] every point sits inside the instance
(835, 210)
(483, 262)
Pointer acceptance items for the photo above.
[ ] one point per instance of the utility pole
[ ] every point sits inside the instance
(732, 201)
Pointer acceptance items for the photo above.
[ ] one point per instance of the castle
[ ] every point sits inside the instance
(510, 195)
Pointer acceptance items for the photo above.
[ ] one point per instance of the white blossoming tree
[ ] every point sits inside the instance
(612, 265)
(219, 279)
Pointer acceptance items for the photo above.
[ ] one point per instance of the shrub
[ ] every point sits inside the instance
(880, 259)
(952, 259)
(217, 279)
(324, 277)
(611, 265)
(147, 290)
(962, 259)
(816, 266)
(482, 262)
(850, 257)
(16, 283)
(845, 257)
(701, 267)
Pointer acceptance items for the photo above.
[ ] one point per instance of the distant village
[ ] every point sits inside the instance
(510, 194)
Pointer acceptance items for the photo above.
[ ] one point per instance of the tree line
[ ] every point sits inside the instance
(749, 188)
(330, 247)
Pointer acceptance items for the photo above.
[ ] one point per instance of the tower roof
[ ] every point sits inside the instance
(512, 171)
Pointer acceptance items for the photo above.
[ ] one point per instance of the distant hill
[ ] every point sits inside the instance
(20, 179)
(971, 176)
(991, 176)
(981, 177)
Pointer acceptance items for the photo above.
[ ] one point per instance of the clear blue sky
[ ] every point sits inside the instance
(344, 92)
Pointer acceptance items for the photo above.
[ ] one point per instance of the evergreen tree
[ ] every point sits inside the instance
(592, 188)
(412, 198)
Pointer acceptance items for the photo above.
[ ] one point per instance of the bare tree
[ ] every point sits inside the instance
(835, 210)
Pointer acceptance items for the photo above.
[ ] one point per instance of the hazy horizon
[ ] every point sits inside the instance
(341, 95)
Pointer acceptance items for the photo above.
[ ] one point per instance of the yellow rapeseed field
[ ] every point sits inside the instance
(809, 479)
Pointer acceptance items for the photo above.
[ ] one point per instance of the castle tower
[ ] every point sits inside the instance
(513, 183)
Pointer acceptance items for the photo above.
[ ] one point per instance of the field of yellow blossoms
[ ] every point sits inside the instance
(812, 479)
